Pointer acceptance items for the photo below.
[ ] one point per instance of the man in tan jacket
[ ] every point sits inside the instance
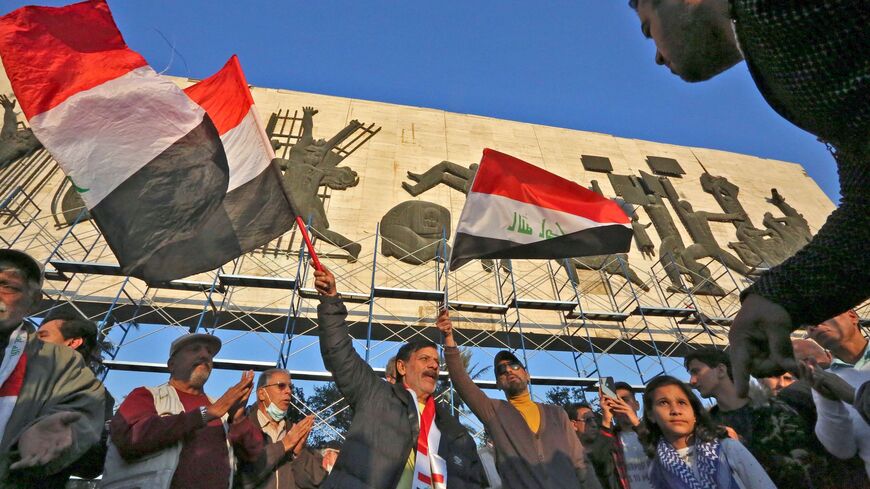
(51, 405)
(535, 444)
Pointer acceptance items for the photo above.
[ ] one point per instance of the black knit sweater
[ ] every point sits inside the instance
(811, 62)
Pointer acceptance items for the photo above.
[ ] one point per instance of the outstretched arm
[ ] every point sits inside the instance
(308, 114)
(477, 401)
(715, 216)
(825, 278)
(341, 136)
(352, 375)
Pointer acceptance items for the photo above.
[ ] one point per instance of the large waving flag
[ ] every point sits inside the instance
(517, 210)
(255, 208)
(146, 159)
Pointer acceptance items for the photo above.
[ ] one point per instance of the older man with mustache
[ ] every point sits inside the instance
(174, 435)
(400, 437)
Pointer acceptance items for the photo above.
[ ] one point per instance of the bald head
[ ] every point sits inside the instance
(804, 349)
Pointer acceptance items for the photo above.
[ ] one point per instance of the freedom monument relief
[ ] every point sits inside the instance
(382, 187)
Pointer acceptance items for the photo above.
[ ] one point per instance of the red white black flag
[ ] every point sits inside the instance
(255, 209)
(517, 210)
(146, 159)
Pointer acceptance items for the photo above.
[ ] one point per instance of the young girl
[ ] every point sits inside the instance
(688, 450)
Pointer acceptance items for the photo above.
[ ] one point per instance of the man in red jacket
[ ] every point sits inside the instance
(153, 423)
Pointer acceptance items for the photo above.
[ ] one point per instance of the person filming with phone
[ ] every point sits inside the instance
(535, 444)
(630, 462)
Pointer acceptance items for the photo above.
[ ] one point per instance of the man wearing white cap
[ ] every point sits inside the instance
(174, 435)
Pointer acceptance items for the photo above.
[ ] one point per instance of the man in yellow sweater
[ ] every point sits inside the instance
(535, 444)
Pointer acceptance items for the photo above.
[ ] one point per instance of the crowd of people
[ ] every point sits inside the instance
(805, 425)
(808, 430)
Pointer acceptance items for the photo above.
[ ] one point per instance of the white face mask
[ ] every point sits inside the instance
(274, 411)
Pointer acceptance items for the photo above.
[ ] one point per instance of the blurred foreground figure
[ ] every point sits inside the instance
(809, 60)
(51, 405)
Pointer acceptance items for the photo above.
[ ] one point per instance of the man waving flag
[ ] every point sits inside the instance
(517, 210)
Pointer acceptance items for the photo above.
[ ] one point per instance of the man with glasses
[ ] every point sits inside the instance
(584, 420)
(535, 444)
(284, 462)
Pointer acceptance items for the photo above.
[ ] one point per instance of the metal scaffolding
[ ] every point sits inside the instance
(569, 328)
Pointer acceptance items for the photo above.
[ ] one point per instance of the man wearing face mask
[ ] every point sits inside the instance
(536, 445)
(284, 462)
(400, 437)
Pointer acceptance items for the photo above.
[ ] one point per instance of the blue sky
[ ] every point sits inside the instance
(579, 64)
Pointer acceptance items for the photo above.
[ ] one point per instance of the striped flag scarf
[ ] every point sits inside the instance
(713, 471)
(12, 375)
(430, 470)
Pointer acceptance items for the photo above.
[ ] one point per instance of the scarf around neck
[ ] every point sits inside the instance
(430, 470)
(12, 370)
(670, 471)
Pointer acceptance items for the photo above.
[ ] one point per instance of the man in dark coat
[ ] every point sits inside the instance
(381, 448)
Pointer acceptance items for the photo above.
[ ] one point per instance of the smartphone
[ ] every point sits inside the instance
(607, 386)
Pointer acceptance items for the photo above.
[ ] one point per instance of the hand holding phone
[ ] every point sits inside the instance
(607, 387)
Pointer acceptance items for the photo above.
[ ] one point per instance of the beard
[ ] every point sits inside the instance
(199, 376)
(514, 388)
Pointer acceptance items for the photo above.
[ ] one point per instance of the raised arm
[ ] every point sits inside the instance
(10, 122)
(352, 375)
(477, 401)
(341, 136)
(307, 135)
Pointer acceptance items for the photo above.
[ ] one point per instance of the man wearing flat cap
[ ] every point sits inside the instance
(535, 444)
(174, 435)
(51, 405)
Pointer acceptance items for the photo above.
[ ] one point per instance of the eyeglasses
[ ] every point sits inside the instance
(281, 386)
(502, 368)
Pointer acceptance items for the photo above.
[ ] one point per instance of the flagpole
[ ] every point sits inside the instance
(446, 269)
(286, 191)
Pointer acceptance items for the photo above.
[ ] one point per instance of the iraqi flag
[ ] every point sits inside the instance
(517, 210)
(255, 209)
(147, 161)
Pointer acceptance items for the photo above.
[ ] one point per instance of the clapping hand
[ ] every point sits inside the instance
(297, 437)
(233, 400)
